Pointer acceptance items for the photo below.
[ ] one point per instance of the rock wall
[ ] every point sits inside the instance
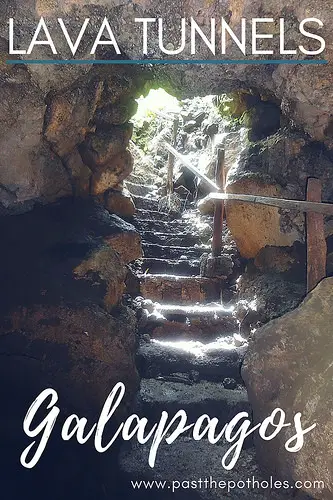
(54, 117)
(64, 155)
(64, 289)
(63, 325)
(289, 366)
(68, 142)
(64, 146)
(277, 166)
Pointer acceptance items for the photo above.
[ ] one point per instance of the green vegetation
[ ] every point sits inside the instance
(145, 120)
(233, 107)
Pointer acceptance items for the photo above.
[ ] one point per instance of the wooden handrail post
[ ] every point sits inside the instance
(315, 237)
(219, 205)
(171, 158)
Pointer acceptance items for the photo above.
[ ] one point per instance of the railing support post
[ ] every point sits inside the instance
(219, 205)
(171, 158)
(315, 238)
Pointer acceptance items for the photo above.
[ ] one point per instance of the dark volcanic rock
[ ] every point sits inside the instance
(265, 119)
(67, 255)
(289, 366)
(278, 166)
(81, 353)
(119, 203)
(156, 358)
(100, 148)
(29, 169)
(197, 399)
(62, 287)
(119, 167)
(78, 98)
(274, 294)
(181, 289)
(63, 326)
(115, 114)
(68, 115)
(216, 266)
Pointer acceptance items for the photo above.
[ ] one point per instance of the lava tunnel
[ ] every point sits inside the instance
(123, 268)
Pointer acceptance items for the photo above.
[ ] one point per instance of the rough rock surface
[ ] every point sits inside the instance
(62, 326)
(273, 293)
(256, 226)
(119, 203)
(278, 259)
(213, 363)
(39, 101)
(216, 266)
(67, 275)
(290, 84)
(276, 167)
(113, 174)
(289, 366)
(196, 399)
(179, 289)
(52, 146)
(60, 137)
(180, 327)
(28, 168)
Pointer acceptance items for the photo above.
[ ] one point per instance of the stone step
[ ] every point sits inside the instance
(155, 215)
(173, 226)
(193, 330)
(196, 322)
(173, 252)
(180, 289)
(151, 175)
(140, 189)
(215, 310)
(168, 266)
(181, 239)
(214, 361)
(182, 464)
(168, 322)
(146, 202)
(196, 399)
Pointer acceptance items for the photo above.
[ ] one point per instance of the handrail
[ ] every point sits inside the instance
(313, 207)
(165, 116)
(302, 206)
(191, 167)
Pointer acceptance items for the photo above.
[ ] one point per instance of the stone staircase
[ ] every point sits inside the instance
(172, 246)
(189, 353)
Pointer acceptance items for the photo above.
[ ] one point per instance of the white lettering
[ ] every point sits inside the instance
(145, 22)
(283, 50)
(196, 29)
(256, 36)
(105, 26)
(47, 425)
(308, 34)
(11, 39)
(241, 44)
(168, 429)
(49, 41)
(71, 45)
(183, 38)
